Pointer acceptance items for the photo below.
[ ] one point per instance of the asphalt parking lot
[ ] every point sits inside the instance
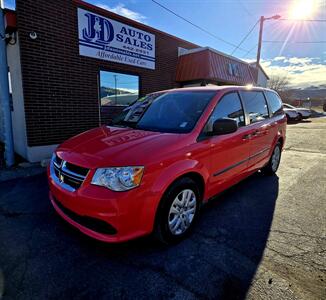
(263, 239)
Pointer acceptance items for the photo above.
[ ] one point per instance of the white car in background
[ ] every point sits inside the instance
(291, 114)
(303, 113)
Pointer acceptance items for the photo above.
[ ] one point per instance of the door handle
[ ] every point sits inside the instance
(246, 137)
(255, 133)
(265, 129)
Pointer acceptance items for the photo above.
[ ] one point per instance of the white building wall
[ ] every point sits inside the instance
(18, 113)
(262, 80)
(31, 154)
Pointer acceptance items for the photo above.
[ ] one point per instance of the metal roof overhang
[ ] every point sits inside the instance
(210, 65)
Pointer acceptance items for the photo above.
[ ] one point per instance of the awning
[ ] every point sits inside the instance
(206, 64)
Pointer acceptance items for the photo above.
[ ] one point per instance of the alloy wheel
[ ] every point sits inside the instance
(182, 212)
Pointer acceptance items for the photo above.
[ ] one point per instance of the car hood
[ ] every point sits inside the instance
(113, 146)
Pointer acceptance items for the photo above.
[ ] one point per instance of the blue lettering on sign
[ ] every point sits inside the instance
(99, 30)
(115, 41)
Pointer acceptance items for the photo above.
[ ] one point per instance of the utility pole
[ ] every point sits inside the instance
(115, 87)
(4, 94)
(260, 39)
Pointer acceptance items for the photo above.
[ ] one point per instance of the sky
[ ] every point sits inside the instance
(125, 82)
(303, 63)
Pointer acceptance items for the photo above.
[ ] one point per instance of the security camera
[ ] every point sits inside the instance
(33, 35)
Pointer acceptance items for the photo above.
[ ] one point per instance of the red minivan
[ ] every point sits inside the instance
(165, 155)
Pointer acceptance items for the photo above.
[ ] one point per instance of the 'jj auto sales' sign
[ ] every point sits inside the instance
(103, 38)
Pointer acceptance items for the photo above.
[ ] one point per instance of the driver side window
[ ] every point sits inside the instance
(229, 107)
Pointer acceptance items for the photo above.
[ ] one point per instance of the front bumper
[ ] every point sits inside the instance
(103, 214)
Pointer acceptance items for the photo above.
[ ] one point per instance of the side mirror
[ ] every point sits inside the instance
(224, 126)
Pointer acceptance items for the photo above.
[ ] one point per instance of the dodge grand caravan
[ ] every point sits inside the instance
(165, 155)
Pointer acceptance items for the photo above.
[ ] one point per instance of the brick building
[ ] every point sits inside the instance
(73, 66)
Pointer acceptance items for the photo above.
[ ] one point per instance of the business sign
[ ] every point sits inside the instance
(106, 39)
(233, 69)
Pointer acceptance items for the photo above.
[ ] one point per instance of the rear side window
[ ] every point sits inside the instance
(275, 103)
(228, 107)
(255, 105)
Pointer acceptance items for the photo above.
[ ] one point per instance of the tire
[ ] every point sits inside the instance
(274, 162)
(300, 117)
(174, 220)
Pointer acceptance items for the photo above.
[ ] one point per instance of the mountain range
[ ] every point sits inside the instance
(312, 92)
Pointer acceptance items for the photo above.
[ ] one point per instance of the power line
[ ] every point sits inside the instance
(297, 42)
(255, 46)
(197, 26)
(249, 51)
(294, 42)
(245, 37)
(245, 8)
(303, 20)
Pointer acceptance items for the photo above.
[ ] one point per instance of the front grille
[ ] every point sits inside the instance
(57, 161)
(68, 173)
(77, 169)
(91, 223)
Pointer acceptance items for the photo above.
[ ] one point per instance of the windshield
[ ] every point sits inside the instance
(175, 112)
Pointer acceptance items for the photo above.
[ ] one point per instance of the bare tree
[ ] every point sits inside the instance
(280, 84)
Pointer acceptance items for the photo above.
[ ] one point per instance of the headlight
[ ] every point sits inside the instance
(118, 179)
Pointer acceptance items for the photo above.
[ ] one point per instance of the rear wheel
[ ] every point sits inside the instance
(274, 162)
(178, 211)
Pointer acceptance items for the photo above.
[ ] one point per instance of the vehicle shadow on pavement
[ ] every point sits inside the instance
(44, 257)
(298, 122)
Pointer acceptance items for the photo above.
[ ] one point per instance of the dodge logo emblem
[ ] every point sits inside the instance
(61, 177)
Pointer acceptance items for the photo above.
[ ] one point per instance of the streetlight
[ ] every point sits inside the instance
(261, 26)
(115, 88)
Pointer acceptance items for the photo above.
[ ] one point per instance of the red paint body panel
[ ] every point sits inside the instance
(165, 157)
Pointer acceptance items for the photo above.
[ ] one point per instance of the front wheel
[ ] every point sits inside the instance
(178, 211)
(274, 161)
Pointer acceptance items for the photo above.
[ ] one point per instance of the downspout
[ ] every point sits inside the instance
(5, 96)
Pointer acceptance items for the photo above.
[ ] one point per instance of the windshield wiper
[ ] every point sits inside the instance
(123, 123)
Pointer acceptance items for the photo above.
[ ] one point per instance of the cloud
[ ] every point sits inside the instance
(301, 71)
(299, 60)
(120, 9)
(266, 63)
(279, 58)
